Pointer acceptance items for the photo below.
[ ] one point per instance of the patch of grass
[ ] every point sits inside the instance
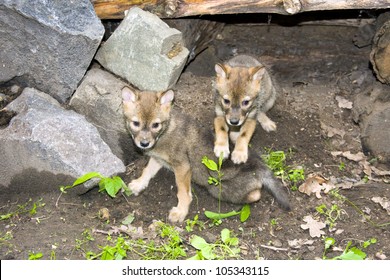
(276, 161)
(28, 207)
(170, 248)
(349, 253)
(224, 248)
(191, 224)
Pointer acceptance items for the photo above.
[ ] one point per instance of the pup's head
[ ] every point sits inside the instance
(238, 88)
(147, 115)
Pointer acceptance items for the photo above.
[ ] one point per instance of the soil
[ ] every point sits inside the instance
(313, 66)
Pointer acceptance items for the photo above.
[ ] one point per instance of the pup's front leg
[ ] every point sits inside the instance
(151, 169)
(221, 144)
(184, 196)
(240, 152)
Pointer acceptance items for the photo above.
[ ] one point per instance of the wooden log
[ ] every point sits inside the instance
(197, 33)
(114, 9)
(380, 51)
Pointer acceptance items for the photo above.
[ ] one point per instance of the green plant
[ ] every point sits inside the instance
(34, 256)
(190, 224)
(217, 217)
(24, 208)
(335, 193)
(225, 247)
(332, 215)
(170, 248)
(349, 253)
(276, 161)
(341, 166)
(111, 185)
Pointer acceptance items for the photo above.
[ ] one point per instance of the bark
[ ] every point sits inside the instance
(114, 9)
(380, 52)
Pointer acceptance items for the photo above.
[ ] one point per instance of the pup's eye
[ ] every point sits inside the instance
(226, 101)
(245, 103)
(136, 124)
(155, 125)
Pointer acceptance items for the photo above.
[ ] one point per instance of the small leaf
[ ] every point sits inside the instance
(245, 213)
(210, 164)
(225, 235)
(329, 242)
(198, 242)
(86, 177)
(218, 216)
(128, 220)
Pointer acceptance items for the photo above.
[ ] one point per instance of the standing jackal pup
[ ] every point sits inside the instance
(176, 141)
(243, 94)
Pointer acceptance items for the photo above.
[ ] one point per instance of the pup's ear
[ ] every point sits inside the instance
(221, 70)
(257, 72)
(167, 97)
(129, 95)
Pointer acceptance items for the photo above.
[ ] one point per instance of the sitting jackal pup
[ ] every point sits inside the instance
(174, 140)
(243, 94)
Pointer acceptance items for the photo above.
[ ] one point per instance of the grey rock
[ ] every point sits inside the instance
(48, 45)
(372, 112)
(46, 141)
(145, 51)
(99, 99)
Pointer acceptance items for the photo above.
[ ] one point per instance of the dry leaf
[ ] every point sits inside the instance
(383, 202)
(380, 256)
(316, 184)
(314, 226)
(331, 131)
(298, 243)
(344, 103)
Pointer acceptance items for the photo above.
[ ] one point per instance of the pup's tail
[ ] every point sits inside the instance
(276, 189)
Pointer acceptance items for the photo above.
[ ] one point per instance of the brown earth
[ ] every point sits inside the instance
(314, 66)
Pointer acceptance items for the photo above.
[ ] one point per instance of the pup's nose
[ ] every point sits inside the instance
(234, 121)
(144, 143)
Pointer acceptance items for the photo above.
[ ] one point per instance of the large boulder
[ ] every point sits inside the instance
(46, 141)
(145, 51)
(48, 45)
(99, 99)
(372, 112)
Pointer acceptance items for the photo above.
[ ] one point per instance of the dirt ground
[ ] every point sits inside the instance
(317, 68)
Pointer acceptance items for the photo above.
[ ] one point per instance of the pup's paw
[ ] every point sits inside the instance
(239, 156)
(177, 215)
(253, 196)
(136, 186)
(268, 125)
(224, 149)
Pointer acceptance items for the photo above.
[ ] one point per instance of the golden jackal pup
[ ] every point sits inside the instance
(174, 140)
(244, 92)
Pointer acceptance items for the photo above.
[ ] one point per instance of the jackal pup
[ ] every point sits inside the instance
(244, 92)
(176, 141)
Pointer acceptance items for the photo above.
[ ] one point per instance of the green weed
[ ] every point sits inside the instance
(349, 253)
(191, 224)
(23, 209)
(332, 214)
(170, 248)
(225, 247)
(276, 161)
(110, 185)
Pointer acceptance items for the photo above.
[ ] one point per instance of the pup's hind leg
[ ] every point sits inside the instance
(184, 195)
(266, 123)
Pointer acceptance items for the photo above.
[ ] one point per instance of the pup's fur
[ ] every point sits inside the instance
(174, 140)
(244, 92)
